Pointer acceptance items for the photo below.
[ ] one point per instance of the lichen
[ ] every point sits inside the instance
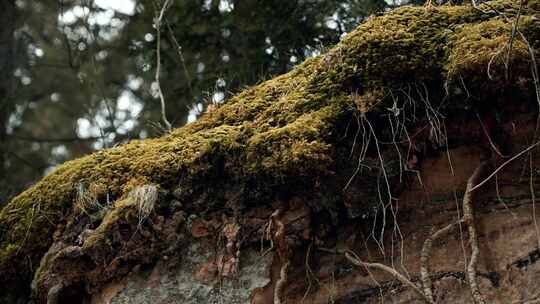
(283, 128)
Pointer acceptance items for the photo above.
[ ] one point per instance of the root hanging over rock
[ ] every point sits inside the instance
(283, 253)
(427, 283)
(469, 220)
(353, 258)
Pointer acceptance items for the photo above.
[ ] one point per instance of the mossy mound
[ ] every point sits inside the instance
(284, 129)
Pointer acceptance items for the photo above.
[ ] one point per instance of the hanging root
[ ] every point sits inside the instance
(426, 293)
(468, 219)
(354, 259)
(283, 253)
(427, 284)
(278, 290)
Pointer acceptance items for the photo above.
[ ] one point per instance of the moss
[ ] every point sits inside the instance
(480, 50)
(123, 209)
(282, 128)
(288, 149)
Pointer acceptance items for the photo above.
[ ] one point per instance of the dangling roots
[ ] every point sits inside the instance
(426, 290)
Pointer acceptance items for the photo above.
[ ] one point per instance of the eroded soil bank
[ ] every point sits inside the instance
(357, 156)
(508, 271)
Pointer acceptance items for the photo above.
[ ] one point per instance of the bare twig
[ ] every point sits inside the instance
(157, 24)
(181, 56)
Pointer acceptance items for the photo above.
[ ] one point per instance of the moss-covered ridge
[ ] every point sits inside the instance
(283, 128)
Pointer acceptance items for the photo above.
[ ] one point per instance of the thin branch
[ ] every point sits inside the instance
(157, 24)
(53, 140)
(38, 169)
(181, 55)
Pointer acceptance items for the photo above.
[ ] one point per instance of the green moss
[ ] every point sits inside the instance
(284, 127)
(298, 148)
(123, 209)
(480, 50)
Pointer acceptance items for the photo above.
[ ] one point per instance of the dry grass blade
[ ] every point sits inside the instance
(145, 198)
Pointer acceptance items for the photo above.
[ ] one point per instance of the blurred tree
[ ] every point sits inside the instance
(78, 75)
(213, 47)
(7, 53)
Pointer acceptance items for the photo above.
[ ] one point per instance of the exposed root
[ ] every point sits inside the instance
(429, 7)
(535, 299)
(354, 259)
(366, 139)
(278, 290)
(231, 232)
(427, 284)
(468, 218)
(283, 253)
(480, 184)
(309, 273)
(533, 198)
(54, 293)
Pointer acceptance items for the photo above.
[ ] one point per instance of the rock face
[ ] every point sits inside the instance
(508, 269)
(356, 157)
